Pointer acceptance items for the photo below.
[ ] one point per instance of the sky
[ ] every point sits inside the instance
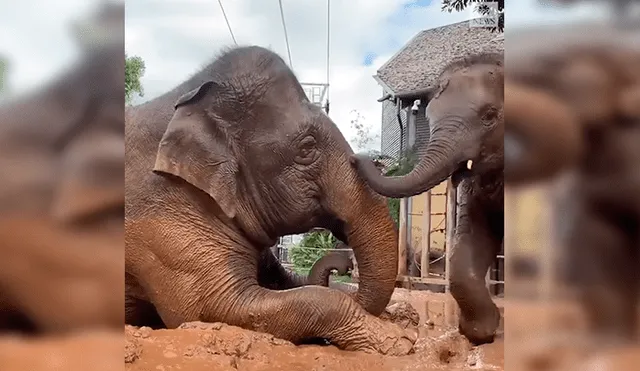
(177, 37)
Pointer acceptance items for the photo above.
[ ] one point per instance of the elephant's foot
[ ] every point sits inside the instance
(481, 329)
(403, 314)
(377, 336)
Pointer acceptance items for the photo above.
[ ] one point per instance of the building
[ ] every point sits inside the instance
(413, 69)
(404, 79)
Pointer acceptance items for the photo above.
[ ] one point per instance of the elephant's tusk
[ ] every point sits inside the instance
(469, 164)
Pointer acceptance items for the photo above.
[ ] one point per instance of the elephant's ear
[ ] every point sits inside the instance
(91, 177)
(195, 148)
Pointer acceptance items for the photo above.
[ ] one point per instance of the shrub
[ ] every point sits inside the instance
(314, 245)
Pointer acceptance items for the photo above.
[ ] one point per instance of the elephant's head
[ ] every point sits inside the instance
(276, 164)
(465, 114)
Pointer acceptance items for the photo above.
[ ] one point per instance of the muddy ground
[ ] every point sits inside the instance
(197, 346)
(541, 337)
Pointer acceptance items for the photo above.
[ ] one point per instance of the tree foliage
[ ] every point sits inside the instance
(460, 5)
(364, 138)
(134, 70)
(314, 245)
(402, 166)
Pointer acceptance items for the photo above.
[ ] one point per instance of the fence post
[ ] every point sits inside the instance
(451, 211)
(402, 238)
(426, 236)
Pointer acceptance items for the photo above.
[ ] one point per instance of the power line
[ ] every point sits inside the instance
(286, 36)
(326, 108)
(227, 20)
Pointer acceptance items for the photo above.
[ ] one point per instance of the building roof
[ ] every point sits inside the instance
(419, 62)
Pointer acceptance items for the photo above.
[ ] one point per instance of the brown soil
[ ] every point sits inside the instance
(199, 346)
(95, 351)
(542, 337)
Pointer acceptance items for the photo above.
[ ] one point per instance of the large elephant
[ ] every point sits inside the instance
(465, 112)
(572, 110)
(216, 170)
(62, 199)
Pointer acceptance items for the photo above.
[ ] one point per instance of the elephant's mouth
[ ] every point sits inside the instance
(462, 172)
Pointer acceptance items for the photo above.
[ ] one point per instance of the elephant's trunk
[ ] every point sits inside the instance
(542, 135)
(442, 156)
(321, 269)
(372, 235)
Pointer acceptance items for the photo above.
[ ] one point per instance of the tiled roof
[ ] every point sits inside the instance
(418, 63)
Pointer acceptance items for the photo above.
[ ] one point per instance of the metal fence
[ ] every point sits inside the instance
(496, 274)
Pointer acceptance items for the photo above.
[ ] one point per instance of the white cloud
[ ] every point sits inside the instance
(175, 38)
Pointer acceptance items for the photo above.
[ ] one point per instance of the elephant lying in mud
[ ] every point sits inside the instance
(216, 170)
(465, 112)
(581, 119)
(62, 199)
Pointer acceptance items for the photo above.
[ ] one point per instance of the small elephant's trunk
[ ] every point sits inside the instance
(321, 269)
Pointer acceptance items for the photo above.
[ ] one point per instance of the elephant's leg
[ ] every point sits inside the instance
(141, 313)
(475, 249)
(138, 311)
(319, 312)
(225, 289)
(606, 263)
(272, 275)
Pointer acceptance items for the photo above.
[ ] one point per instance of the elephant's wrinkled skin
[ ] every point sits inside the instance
(62, 199)
(243, 158)
(575, 108)
(465, 112)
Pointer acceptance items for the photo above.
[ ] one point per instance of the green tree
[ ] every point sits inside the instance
(314, 245)
(362, 142)
(402, 166)
(484, 9)
(364, 138)
(134, 70)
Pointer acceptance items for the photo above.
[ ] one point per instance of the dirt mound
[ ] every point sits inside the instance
(199, 346)
(203, 346)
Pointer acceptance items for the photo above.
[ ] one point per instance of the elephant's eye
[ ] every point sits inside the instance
(307, 152)
(489, 114)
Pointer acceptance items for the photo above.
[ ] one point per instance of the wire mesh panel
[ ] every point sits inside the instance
(315, 92)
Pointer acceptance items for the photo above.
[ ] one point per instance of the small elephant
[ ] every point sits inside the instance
(572, 110)
(216, 170)
(465, 111)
